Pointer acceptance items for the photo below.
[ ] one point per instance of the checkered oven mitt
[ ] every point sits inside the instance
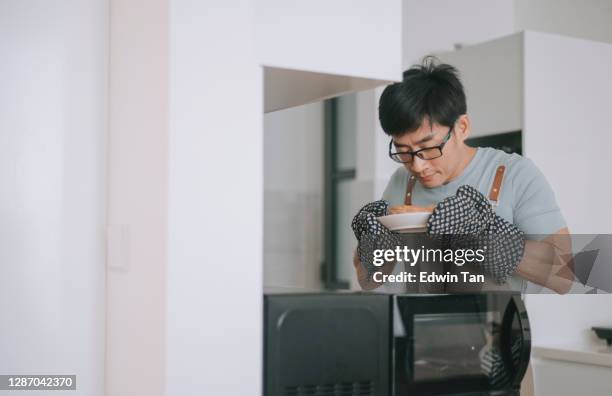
(466, 220)
(371, 234)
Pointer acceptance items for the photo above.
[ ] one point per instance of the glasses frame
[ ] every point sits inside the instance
(417, 153)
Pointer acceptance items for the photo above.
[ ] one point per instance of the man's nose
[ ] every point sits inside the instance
(417, 164)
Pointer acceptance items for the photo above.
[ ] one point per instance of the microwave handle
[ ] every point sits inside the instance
(516, 308)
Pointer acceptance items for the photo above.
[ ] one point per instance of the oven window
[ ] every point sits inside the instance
(451, 345)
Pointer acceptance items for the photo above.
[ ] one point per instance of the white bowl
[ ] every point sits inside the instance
(406, 222)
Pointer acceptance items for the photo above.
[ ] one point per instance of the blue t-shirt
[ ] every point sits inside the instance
(525, 199)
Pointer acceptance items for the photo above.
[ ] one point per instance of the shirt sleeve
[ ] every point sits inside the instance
(536, 211)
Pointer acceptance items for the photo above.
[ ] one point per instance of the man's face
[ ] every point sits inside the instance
(438, 171)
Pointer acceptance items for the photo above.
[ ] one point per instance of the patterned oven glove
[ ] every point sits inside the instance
(371, 234)
(467, 221)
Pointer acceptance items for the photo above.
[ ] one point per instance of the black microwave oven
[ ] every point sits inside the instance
(366, 344)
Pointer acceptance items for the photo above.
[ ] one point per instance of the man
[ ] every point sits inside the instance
(426, 117)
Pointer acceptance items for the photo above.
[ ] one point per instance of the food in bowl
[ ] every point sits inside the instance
(410, 209)
(407, 218)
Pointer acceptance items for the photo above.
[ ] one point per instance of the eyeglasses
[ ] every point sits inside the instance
(426, 154)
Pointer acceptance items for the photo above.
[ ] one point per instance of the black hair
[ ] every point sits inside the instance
(431, 91)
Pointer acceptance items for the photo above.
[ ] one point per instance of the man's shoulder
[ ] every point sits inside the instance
(522, 174)
(516, 165)
(496, 157)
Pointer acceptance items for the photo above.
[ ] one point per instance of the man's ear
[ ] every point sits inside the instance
(463, 127)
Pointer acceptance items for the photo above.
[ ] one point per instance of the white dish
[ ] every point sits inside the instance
(406, 222)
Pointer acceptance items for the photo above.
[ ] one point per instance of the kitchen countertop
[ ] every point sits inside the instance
(600, 355)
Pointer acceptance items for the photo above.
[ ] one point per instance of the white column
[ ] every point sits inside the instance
(215, 212)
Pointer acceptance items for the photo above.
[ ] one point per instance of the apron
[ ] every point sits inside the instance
(493, 193)
(443, 268)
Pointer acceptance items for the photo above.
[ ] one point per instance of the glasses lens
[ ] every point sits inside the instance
(401, 157)
(430, 153)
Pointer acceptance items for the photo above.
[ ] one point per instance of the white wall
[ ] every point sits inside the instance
(373, 170)
(373, 163)
(437, 25)
(432, 26)
(293, 196)
(53, 108)
(588, 19)
(215, 213)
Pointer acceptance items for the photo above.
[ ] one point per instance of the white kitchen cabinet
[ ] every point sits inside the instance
(492, 73)
(568, 371)
(288, 88)
(318, 49)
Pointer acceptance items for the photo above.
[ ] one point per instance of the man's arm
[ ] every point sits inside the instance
(548, 262)
(536, 212)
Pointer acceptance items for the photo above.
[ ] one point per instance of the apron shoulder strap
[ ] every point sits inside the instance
(493, 193)
(497, 184)
(409, 188)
